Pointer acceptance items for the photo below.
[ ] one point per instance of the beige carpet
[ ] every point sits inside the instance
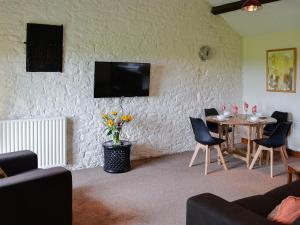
(156, 190)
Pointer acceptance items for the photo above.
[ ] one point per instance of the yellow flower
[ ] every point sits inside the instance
(129, 117)
(110, 123)
(124, 118)
(114, 113)
(104, 116)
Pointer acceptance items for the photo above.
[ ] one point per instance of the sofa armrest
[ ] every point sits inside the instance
(37, 197)
(284, 191)
(209, 209)
(18, 162)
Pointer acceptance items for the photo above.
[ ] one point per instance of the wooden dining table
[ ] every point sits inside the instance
(253, 128)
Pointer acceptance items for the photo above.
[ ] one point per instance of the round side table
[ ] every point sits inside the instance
(117, 157)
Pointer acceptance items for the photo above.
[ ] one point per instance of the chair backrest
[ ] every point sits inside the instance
(281, 117)
(211, 112)
(200, 130)
(280, 133)
(213, 127)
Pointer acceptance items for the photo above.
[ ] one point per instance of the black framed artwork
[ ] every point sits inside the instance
(44, 48)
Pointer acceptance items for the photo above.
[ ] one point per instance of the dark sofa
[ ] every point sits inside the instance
(32, 196)
(209, 209)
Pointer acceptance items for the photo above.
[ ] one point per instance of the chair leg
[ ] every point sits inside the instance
(209, 157)
(261, 155)
(207, 149)
(221, 157)
(227, 136)
(271, 161)
(268, 158)
(219, 160)
(284, 160)
(258, 152)
(195, 154)
(248, 154)
(285, 152)
(232, 136)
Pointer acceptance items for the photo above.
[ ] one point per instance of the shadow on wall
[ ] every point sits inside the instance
(70, 132)
(142, 151)
(155, 78)
(147, 162)
(87, 210)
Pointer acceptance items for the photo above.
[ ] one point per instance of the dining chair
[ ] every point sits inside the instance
(214, 127)
(281, 117)
(277, 140)
(205, 141)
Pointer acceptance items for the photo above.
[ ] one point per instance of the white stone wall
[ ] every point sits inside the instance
(166, 33)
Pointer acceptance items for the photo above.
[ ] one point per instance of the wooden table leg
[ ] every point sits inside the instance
(256, 135)
(226, 135)
(260, 136)
(248, 154)
(232, 141)
(220, 128)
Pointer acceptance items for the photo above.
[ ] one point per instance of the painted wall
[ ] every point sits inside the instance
(254, 78)
(166, 33)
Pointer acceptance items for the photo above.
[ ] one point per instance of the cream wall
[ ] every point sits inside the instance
(254, 78)
(166, 33)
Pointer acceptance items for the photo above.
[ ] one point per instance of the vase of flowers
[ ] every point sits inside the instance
(113, 123)
(116, 151)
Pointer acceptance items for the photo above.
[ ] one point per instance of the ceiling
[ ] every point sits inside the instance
(277, 16)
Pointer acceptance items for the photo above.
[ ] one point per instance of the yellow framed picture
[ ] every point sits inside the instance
(282, 70)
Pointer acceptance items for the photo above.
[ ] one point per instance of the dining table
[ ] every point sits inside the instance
(254, 130)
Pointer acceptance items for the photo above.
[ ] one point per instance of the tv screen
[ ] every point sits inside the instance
(118, 79)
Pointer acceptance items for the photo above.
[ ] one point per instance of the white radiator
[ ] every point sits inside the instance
(294, 138)
(45, 137)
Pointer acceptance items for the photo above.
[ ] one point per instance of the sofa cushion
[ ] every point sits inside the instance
(259, 204)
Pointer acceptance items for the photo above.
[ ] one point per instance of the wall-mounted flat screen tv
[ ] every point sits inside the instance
(121, 79)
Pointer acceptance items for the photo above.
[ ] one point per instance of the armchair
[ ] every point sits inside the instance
(32, 196)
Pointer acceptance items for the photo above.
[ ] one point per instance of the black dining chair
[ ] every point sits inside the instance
(277, 140)
(213, 127)
(205, 141)
(281, 117)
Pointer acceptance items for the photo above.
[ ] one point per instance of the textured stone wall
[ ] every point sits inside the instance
(166, 33)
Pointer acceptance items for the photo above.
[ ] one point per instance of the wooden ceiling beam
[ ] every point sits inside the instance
(216, 10)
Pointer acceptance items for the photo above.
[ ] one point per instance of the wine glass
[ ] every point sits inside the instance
(223, 108)
(246, 107)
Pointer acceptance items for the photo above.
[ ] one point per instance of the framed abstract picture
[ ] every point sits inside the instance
(282, 70)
